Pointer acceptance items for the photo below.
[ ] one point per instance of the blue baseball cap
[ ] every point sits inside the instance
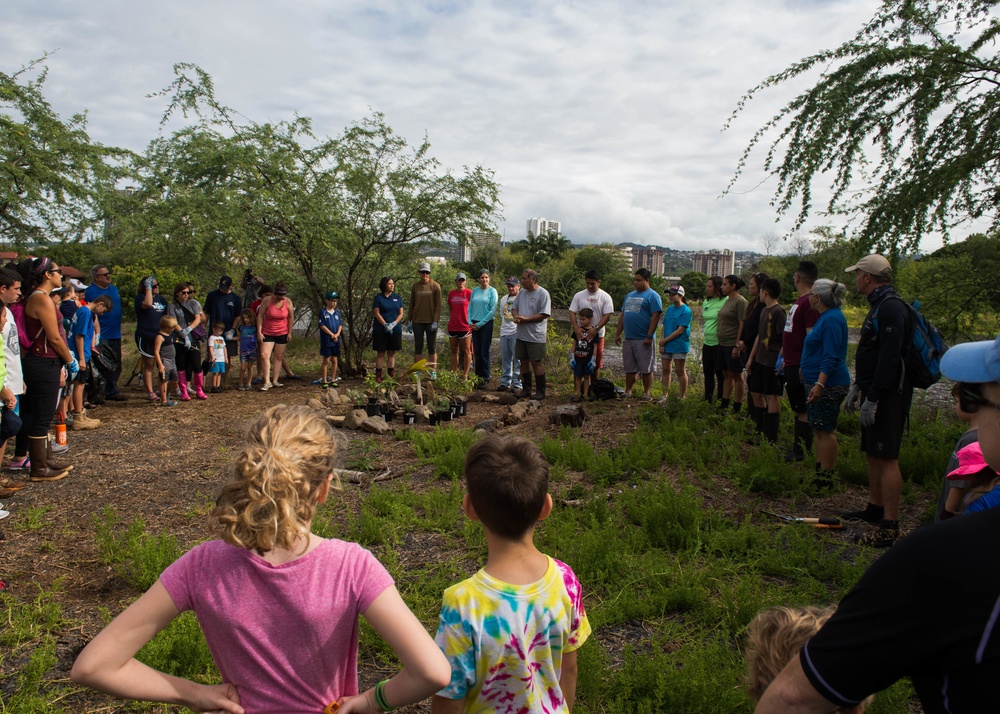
(975, 362)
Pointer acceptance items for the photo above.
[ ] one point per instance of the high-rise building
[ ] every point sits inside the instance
(542, 227)
(649, 258)
(714, 262)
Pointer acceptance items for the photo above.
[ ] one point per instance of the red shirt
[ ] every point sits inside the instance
(800, 320)
(458, 304)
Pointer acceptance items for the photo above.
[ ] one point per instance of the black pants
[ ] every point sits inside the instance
(40, 398)
(189, 360)
(482, 341)
(111, 386)
(710, 368)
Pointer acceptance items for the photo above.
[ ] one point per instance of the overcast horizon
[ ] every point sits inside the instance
(605, 118)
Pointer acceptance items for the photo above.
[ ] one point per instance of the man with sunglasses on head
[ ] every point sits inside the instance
(110, 322)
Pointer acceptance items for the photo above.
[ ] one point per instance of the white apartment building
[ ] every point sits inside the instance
(542, 227)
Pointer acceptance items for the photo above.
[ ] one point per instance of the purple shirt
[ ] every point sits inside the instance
(285, 635)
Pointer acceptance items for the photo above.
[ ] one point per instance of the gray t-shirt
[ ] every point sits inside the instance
(528, 303)
(175, 311)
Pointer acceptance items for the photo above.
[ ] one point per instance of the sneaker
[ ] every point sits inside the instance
(293, 377)
(257, 380)
(882, 538)
(662, 401)
(646, 398)
(318, 383)
(868, 515)
(792, 456)
(153, 397)
(116, 397)
(276, 385)
(337, 381)
(433, 375)
(19, 464)
(267, 385)
(58, 448)
(169, 403)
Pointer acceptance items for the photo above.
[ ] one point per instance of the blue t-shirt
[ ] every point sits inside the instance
(990, 499)
(389, 308)
(825, 350)
(147, 322)
(248, 339)
(82, 325)
(677, 316)
(330, 319)
(111, 321)
(637, 312)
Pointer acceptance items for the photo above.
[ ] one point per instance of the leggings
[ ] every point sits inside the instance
(482, 340)
(40, 398)
(189, 360)
(710, 368)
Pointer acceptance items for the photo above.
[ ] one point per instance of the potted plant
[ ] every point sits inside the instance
(464, 386)
(442, 407)
(357, 398)
(409, 411)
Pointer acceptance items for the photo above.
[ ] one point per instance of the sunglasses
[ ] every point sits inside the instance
(102, 275)
(54, 270)
(185, 292)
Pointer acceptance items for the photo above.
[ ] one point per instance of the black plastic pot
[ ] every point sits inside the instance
(444, 415)
(373, 409)
(459, 407)
(409, 417)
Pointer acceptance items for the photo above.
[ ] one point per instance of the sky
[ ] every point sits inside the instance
(605, 116)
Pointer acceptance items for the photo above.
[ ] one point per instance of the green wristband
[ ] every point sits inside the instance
(380, 696)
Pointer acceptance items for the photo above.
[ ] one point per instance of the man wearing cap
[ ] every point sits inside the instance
(425, 311)
(226, 306)
(110, 323)
(510, 375)
(603, 306)
(531, 311)
(884, 396)
(641, 312)
(891, 624)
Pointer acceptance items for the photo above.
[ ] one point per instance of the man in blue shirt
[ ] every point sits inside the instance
(111, 324)
(640, 317)
(226, 306)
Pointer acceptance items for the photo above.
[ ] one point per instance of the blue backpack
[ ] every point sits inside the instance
(922, 361)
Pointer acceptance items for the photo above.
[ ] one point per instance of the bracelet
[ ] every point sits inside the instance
(380, 696)
(820, 385)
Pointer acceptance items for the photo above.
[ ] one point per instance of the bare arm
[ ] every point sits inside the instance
(440, 705)
(792, 693)
(291, 318)
(108, 663)
(567, 680)
(261, 309)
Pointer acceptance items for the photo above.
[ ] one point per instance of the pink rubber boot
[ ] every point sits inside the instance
(183, 387)
(199, 385)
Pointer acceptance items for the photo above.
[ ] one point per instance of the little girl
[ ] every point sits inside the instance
(217, 348)
(248, 348)
(166, 355)
(278, 605)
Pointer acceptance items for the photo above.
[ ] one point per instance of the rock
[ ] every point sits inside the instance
(490, 399)
(506, 399)
(375, 425)
(533, 406)
(517, 413)
(331, 397)
(423, 414)
(568, 415)
(337, 421)
(488, 425)
(476, 397)
(314, 403)
(354, 419)
(393, 398)
(344, 399)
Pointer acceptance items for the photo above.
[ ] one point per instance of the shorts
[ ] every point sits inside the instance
(728, 363)
(582, 368)
(599, 352)
(825, 411)
(637, 356)
(330, 350)
(530, 351)
(250, 356)
(421, 330)
(459, 334)
(795, 389)
(277, 339)
(169, 370)
(383, 341)
(764, 380)
(145, 345)
(217, 368)
(884, 437)
(671, 356)
(81, 376)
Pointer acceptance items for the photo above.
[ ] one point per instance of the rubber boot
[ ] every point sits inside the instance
(823, 480)
(50, 459)
(539, 386)
(199, 385)
(772, 421)
(182, 384)
(525, 385)
(38, 447)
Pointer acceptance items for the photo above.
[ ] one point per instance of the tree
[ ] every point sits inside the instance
(52, 176)
(694, 285)
(321, 214)
(906, 119)
(542, 248)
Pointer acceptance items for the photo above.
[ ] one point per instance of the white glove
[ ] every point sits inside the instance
(853, 395)
(434, 327)
(187, 340)
(868, 409)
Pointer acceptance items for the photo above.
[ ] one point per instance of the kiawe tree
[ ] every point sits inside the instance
(903, 125)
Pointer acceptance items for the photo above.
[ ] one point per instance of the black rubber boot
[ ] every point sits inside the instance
(540, 386)
(525, 385)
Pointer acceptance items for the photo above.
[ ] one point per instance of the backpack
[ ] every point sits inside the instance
(17, 310)
(922, 361)
(603, 389)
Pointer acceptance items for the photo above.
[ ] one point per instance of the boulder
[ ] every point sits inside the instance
(337, 421)
(423, 414)
(517, 413)
(344, 399)
(568, 415)
(354, 419)
(375, 425)
(315, 404)
(331, 397)
(491, 398)
(488, 426)
(507, 398)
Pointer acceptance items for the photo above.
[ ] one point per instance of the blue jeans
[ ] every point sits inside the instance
(510, 374)
(482, 341)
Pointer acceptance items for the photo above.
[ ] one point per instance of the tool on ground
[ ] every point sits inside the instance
(833, 523)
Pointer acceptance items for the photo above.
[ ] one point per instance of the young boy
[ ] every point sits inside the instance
(330, 327)
(166, 356)
(81, 341)
(582, 359)
(217, 349)
(511, 631)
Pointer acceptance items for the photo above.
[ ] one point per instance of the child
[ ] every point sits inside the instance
(330, 327)
(512, 630)
(777, 635)
(217, 348)
(675, 342)
(582, 360)
(278, 605)
(974, 484)
(957, 481)
(248, 348)
(81, 341)
(166, 359)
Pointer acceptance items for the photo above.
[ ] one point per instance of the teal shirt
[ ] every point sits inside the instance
(482, 306)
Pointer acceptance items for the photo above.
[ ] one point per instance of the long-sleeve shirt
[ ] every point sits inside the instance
(825, 350)
(483, 306)
(879, 360)
(425, 302)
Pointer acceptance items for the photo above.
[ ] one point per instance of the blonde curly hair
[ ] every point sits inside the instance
(271, 498)
(775, 636)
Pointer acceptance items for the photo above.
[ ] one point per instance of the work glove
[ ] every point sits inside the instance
(572, 363)
(868, 409)
(409, 327)
(434, 327)
(388, 327)
(97, 341)
(187, 339)
(592, 366)
(851, 403)
(148, 282)
(72, 369)
(229, 334)
(187, 330)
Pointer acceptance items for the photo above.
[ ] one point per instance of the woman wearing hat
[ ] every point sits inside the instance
(387, 331)
(482, 310)
(275, 318)
(459, 329)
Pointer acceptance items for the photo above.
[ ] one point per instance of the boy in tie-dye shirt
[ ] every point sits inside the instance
(512, 630)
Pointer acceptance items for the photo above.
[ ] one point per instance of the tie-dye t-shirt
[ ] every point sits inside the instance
(506, 642)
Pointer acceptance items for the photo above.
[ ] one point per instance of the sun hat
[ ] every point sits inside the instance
(975, 362)
(970, 462)
(874, 264)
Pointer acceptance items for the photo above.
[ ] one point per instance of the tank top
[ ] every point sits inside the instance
(275, 319)
(40, 341)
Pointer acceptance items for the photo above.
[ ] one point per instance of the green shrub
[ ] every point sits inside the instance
(133, 554)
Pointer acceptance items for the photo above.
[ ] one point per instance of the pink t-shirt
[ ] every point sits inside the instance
(458, 305)
(285, 635)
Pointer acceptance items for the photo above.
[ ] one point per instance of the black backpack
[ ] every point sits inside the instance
(603, 389)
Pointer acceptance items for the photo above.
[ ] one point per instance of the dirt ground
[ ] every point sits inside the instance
(165, 464)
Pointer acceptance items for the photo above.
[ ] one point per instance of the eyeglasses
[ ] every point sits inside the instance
(54, 270)
(102, 275)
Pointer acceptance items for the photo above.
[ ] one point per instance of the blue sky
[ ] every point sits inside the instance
(605, 116)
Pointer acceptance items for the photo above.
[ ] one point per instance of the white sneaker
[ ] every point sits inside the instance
(277, 384)
(267, 385)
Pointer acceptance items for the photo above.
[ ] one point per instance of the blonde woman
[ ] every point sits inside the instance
(278, 605)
